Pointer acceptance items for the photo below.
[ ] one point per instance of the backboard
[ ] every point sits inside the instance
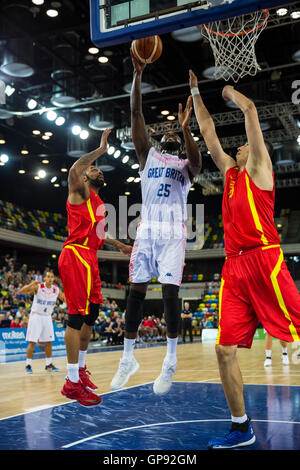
(121, 21)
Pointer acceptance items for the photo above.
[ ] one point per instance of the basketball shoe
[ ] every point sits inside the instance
(285, 359)
(51, 368)
(235, 438)
(28, 369)
(163, 383)
(126, 369)
(268, 362)
(76, 391)
(84, 378)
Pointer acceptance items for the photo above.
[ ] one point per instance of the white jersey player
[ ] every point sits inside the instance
(159, 248)
(40, 325)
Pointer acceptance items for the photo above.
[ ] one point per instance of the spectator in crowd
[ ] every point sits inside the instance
(162, 328)
(150, 327)
(119, 329)
(114, 305)
(15, 323)
(187, 316)
(108, 331)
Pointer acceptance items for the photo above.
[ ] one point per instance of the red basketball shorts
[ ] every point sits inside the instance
(79, 273)
(257, 286)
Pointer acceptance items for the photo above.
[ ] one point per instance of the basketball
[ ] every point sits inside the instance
(147, 50)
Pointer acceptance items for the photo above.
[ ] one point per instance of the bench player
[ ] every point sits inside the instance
(256, 284)
(159, 248)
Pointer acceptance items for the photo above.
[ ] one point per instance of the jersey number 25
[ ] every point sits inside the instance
(164, 190)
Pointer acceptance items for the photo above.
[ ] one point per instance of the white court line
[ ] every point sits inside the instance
(167, 424)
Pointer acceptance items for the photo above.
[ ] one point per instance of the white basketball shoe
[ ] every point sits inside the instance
(127, 367)
(163, 383)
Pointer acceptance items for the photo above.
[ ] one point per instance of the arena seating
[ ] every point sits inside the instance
(54, 226)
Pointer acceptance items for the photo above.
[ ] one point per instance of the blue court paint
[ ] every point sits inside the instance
(135, 418)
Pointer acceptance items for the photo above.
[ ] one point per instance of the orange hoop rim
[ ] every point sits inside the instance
(242, 33)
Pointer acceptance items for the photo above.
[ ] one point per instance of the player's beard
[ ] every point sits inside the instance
(171, 147)
(96, 183)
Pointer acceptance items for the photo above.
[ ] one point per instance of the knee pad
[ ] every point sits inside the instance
(171, 307)
(75, 321)
(134, 313)
(93, 315)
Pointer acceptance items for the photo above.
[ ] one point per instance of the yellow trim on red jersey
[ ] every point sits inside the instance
(254, 211)
(278, 293)
(220, 308)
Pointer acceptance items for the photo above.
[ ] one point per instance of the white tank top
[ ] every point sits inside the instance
(165, 185)
(45, 299)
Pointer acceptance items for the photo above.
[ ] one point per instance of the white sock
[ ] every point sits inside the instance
(28, 362)
(284, 351)
(171, 347)
(128, 348)
(269, 353)
(48, 361)
(73, 372)
(81, 358)
(239, 420)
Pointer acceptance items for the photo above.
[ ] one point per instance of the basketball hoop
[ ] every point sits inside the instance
(233, 44)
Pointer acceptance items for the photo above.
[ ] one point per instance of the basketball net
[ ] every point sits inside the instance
(233, 44)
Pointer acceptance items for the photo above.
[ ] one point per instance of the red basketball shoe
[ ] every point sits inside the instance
(86, 382)
(77, 391)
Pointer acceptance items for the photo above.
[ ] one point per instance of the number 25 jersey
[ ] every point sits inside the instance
(165, 185)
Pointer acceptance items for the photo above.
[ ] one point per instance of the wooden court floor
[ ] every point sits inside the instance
(197, 362)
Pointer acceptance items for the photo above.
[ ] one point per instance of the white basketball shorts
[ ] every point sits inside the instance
(40, 328)
(154, 257)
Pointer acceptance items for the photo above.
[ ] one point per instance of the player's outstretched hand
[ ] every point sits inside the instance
(193, 79)
(104, 137)
(138, 66)
(227, 92)
(125, 249)
(185, 116)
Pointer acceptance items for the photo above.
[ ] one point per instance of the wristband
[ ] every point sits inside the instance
(195, 91)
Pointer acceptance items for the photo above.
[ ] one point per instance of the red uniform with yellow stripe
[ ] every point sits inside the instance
(78, 262)
(256, 284)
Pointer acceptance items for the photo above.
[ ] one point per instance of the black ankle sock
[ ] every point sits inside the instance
(242, 427)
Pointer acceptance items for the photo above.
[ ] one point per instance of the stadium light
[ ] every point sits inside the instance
(111, 149)
(31, 103)
(76, 129)
(42, 173)
(84, 134)
(60, 121)
(4, 158)
(117, 153)
(51, 115)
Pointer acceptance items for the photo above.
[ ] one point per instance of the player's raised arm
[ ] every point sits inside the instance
(192, 151)
(138, 128)
(258, 156)
(78, 169)
(30, 288)
(207, 129)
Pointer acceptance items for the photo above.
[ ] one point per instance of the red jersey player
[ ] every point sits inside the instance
(79, 271)
(256, 284)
